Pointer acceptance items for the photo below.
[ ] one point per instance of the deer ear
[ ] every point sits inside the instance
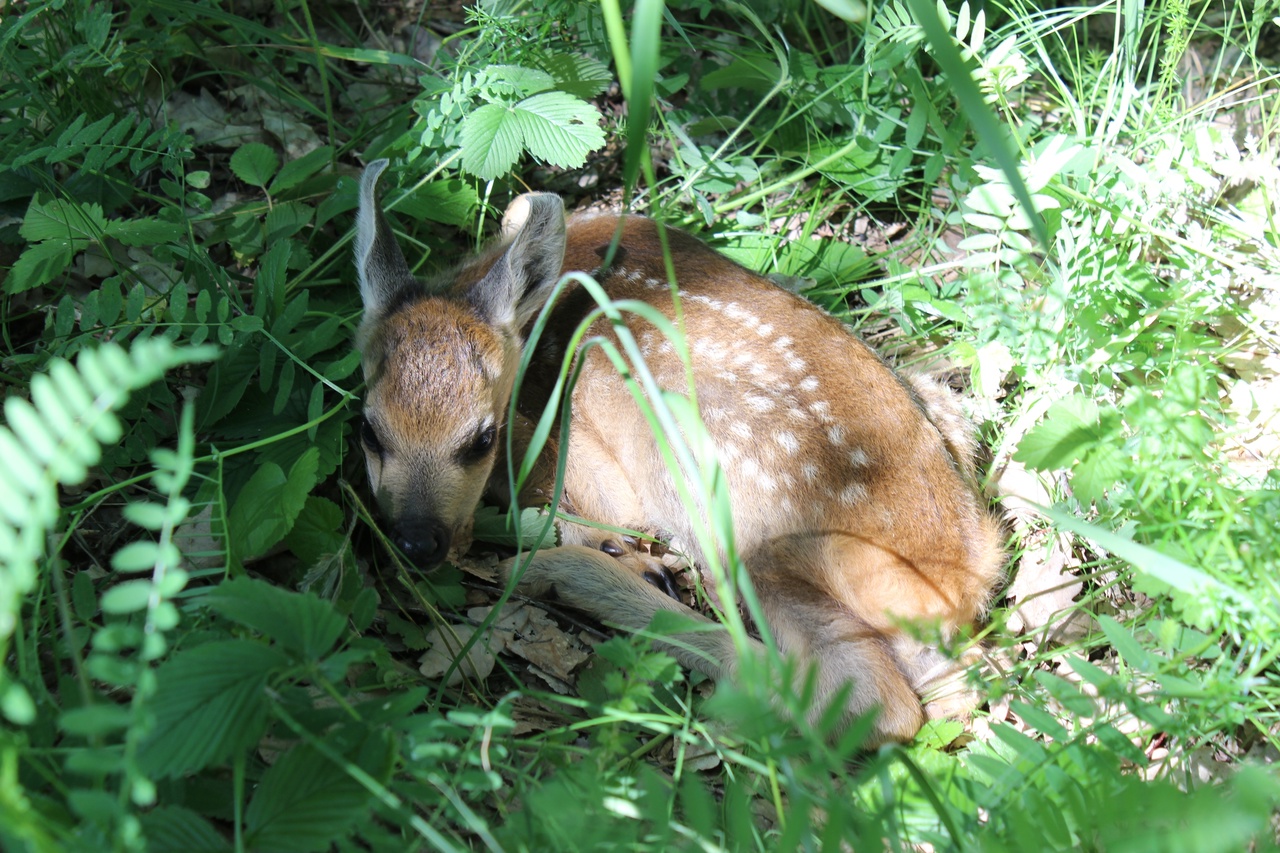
(517, 285)
(379, 262)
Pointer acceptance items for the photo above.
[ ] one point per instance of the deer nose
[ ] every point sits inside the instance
(425, 543)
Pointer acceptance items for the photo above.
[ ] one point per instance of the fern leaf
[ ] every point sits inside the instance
(53, 439)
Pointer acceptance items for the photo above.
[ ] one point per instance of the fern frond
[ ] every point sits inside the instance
(53, 440)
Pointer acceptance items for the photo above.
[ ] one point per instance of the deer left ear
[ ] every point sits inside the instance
(516, 287)
(379, 262)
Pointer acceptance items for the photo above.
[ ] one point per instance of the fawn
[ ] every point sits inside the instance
(853, 488)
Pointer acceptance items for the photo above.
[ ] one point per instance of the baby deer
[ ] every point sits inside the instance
(852, 487)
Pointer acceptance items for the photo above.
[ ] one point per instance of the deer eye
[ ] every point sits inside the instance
(369, 438)
(481, 443)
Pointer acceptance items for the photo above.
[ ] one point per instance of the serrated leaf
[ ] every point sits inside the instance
(317, 531)
(38, 265)
(301, 622)
(452, 202)
(63, 220)
(522, 80)
(254, 163)
(269, 503)
(210, 702)
(579, 75)
(304, 802)
(296, 171)
(1067, 432)
(559, 129)
(491, 141)
(172, 829)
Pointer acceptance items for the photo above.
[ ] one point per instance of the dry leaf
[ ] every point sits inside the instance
(538, 639)
(446, 641)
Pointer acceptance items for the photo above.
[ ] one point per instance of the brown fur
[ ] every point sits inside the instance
(853, 490)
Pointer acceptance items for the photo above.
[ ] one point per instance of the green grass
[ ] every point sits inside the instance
(205, 645)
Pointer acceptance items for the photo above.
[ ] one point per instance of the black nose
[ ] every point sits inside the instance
(425, 543)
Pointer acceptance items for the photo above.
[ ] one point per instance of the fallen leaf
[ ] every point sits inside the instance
(446, 641)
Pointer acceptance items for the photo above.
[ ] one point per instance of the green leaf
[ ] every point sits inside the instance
(491, 141)
(38, 265)
(95, 720)
(254, 163)
(522, 80)
(1067, 433)
(559, 129)
(147, 231)
(63, 220)
(317, 531)
(304, 802)
(296, 171)
(269, 503)
(1041, 720)
(15, 702)
(83, 596)
(577, 74)
(173, 829)
(451, 202)
(850, 11)
(127, 597)
(555, 127)
(1146, 561)
(140, 556)
(494, 525)
(210, 702)
(301, 622)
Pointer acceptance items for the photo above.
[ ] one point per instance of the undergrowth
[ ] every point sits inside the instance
(205, 644)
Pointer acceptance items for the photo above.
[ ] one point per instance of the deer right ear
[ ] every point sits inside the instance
(517, 285)
(379, 262)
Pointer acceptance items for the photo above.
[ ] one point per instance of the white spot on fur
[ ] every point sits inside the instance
(782, 343)
(752, 470)
(736, 312)
(810, 472)
(853, 493)
(758, 403)
(858, 457)
(764, 329)
(809, 383)
(714, 350)
(741, 430)
(836, 435)
(731, 378)
(822, 409)
(788, 441)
